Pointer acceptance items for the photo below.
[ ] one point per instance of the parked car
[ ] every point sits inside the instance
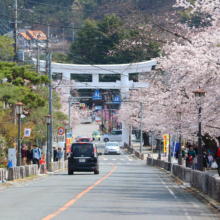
(83, 158)
(115, 135)
(112, 148)
(96, 136)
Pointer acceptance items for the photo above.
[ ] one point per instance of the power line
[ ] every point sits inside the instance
(57, 6)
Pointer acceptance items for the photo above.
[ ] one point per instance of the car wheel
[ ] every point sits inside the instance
(70, 172)
(106, 139)
(96, 172)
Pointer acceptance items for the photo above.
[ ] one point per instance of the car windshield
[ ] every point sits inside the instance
(111, 144)
(96, 133)
(82, 149)
(84, 140)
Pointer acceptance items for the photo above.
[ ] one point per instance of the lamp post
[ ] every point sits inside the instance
(66, 125)
(198, 94)
(48, 119)
(19, 110)
(179, 118)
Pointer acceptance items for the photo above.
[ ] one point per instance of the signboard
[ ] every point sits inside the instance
(98, 107)
(27, 132)
(103, 114)
(12, 156)
(61, 134)
(116, 100)
(97, 95)
(166, 143)
(82, 105)
(105, 107)
(61, 131)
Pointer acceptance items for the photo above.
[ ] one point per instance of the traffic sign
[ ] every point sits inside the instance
(116, 100)
(97, 95)
(61, 131)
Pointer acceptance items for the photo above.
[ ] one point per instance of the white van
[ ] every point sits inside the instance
(115, 135)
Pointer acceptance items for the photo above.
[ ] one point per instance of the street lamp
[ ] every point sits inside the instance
(198, 94)
(66, 125)
(48, 120)
(179, 118)
(19, 110)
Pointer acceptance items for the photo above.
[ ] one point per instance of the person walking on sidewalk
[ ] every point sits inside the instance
(205, 160)
(191, 156)
(23, 155)
(36, 155)
(210, 158)
(217, 158)
(29, 156)
(55, 154)
(60, 154)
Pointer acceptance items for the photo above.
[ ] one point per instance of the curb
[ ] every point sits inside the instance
(200, 194)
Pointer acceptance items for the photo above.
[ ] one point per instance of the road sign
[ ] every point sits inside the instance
(61, 131)
(97, 95)
(116, 100)
(27, 132)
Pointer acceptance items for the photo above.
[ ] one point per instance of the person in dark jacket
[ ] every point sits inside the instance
(196, 149)
(217, 159)
(55, 158)
(205, 160)
(29, 156)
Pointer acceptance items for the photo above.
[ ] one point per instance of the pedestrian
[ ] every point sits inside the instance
(210, 158)
(23, 155)
(59, 154)
(55, 154)
(217, 158)
(196, 149)
(195, 160)
(36, 155)
(29, 156)
(191, 156)
(205, 160)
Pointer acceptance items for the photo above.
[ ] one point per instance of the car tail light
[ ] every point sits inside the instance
(95, 153)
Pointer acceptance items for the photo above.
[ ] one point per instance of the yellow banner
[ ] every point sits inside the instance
(166, 142)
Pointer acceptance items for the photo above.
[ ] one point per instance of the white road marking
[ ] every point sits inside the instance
(113, 159)
(122, 159)
(171, 192)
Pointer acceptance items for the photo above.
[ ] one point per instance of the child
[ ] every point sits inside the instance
(195, 162)
(210, 158)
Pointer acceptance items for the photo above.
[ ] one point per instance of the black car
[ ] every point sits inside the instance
(83, 158)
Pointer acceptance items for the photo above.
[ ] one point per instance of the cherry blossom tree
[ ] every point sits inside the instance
(189, 61)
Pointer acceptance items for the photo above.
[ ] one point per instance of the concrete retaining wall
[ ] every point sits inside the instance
(202, 181)
(24, 171)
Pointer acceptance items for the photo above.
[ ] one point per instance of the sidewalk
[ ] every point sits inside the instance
(146, 150)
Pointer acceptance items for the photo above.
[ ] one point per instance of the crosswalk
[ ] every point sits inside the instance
(120, 163)
(119, 159)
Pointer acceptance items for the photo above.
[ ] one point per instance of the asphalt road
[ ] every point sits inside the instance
(125, 189)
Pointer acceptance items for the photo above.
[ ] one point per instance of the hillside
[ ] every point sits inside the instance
(63, 15)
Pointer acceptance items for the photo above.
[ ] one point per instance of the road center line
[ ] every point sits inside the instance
(71, 202)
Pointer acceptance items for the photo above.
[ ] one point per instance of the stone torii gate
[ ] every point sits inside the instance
(123, 85)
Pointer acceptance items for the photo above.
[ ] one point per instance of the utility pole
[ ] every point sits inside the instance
(109, 118)
(63, 34)
(38, 59)
(141, 127)
(51, 112)
(69, 113)
(15, 30)
(73, 31)
(47, 50)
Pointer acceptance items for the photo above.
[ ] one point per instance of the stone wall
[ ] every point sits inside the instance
(204, 182)
(24, 171)
(132, 151)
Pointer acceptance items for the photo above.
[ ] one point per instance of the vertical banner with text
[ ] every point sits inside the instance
(166, 143)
